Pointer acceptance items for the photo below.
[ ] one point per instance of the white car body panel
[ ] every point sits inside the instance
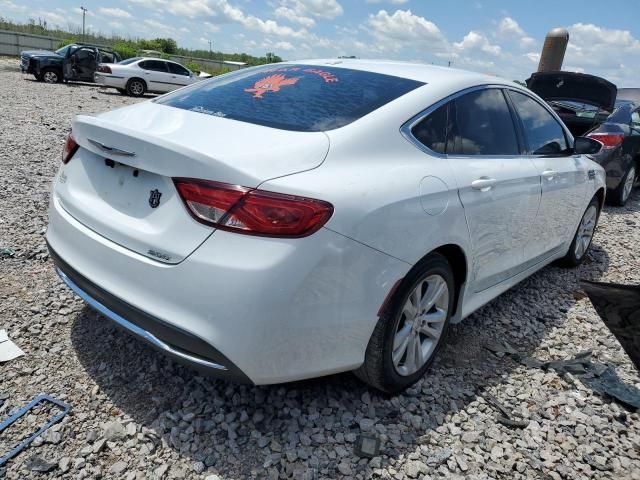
(157, 82)
(288, 309)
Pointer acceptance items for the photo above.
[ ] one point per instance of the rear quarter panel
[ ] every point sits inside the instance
(387, 193)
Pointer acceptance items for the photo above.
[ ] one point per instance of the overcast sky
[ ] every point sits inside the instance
(497, 37)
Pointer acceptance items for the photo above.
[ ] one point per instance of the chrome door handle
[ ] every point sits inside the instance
(549, 174)
(483, 184)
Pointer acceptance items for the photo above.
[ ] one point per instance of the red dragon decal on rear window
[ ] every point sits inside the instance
(270, 84)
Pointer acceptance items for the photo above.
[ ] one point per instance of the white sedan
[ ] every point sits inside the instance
(136, 76)
(300, 219)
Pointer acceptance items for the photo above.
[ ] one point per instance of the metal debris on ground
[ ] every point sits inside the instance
(7, 252)
(39, 464)
(40, 399)
(506, 418)
(599, 377)
(8, 349)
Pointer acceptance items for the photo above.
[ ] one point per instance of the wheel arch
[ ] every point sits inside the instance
(144, 82)
(600, 195)
(457, 258)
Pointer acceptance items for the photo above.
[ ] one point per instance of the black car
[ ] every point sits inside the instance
(75, 62)
(590, 106)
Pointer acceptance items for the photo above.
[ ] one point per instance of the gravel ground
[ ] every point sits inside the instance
(136, 414)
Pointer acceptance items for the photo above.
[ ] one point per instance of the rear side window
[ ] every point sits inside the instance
(483, 125)
(432, 131)
(155, 65)
(293, 97)
(543, 133)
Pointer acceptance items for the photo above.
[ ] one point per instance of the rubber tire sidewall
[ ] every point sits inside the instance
(378, 369)
(570, 260)
(130, 93)
(616, 195)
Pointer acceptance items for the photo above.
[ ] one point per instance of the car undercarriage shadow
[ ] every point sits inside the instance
(232, 426)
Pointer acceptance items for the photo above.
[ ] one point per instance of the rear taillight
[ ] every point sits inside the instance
(70, 148)
(252, 212)
(104, 69)
(608, 140)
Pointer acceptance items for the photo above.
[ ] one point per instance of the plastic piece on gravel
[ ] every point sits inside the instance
(24, 410)
(619, 308)
(7, 252)
(8, 349)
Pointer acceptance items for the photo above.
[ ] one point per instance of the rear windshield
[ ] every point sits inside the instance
(293, 97)
(129, 60)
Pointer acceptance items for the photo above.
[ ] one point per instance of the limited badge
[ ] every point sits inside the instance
(154, 198)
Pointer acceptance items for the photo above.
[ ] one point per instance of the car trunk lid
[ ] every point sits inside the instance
(119, 183)
(575, 87)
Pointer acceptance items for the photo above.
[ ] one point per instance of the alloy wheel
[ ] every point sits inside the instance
(50, 77)
(628, 184)
(585, 231)
(421, 325)
(137, 88)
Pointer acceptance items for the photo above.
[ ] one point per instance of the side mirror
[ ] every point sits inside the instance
(586, 145)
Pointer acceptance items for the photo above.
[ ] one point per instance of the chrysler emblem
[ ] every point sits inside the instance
(154, 198)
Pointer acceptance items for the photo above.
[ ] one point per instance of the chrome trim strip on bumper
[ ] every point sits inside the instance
(145, 335)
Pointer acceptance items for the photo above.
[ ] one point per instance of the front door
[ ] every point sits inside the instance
(498, 187)
(180, 76)
(563, 178)
(83, 63)
(156, 74)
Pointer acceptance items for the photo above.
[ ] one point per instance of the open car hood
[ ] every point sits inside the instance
(576, 87)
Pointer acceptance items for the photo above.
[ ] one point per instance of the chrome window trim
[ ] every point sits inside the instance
(407, 127)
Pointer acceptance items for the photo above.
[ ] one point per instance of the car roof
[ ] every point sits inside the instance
(421, 72)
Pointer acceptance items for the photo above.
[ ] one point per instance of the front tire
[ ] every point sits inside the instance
(583, 236)
(621, 194)
(51, 75)
(136, 87)
(410, 332)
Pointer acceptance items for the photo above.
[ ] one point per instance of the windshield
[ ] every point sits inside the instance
(302, 98)
(129, 60)
(63, 51)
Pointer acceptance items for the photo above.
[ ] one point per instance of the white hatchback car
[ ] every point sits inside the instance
(301, 219)
(139, 75)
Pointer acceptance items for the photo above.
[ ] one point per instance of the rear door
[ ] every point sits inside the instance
(156, 74)
(83, 63)
(180, 76)
(498, 187)
(563, 177)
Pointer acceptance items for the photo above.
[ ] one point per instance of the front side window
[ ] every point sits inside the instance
(483, 125)
(303, 98)
(63, 51)
(432, 130)
(544, 135)
(635, 119)
(178, 69)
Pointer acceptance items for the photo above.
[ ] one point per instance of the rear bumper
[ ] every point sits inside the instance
(268, 310)
(176, 343)
(107, 80)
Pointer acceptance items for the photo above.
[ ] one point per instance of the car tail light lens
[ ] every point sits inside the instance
(608, 140)
(252, 212)
(70, 148)
(104, 69)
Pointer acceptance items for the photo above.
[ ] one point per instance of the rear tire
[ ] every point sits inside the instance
(51, 75)
(583, 237)
(620, 195)
(390, 364)
(136, 87)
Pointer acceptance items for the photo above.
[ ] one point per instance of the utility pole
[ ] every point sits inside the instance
(210, 52)
(84, 11)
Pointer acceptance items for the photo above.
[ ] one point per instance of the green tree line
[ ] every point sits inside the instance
(127, 47)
